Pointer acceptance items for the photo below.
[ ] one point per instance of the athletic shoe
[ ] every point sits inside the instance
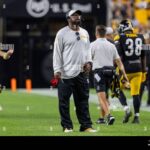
(66, 130)
(136, 120)
(110, 120)
(101, 121)
(90, 130)
(127, 116)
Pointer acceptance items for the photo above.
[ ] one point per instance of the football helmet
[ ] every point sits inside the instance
(125, 25)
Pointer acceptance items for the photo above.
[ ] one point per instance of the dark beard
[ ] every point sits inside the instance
(77, 22)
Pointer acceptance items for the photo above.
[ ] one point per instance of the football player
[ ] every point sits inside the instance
(129, 46)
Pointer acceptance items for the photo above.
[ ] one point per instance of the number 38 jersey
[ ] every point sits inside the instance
(129, 47)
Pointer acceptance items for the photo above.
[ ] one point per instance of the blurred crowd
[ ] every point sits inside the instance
(136, 10)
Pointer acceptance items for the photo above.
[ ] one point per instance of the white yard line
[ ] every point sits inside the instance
(114, 103)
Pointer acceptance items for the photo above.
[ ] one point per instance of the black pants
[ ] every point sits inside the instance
(79, 86)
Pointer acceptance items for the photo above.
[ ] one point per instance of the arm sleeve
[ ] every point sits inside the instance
(57, 53)
(143, 57)
(89, 55)
(119, 48)
(92, 50)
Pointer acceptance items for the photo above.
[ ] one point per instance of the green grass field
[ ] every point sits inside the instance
(24, 114)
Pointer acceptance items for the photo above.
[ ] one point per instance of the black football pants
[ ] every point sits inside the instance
(79, 87)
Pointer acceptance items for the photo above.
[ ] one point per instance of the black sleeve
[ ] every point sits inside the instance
(143, 55)
(119, 47)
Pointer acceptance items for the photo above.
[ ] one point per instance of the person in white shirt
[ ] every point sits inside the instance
(72, 63)
(122, 97)
(104, 55)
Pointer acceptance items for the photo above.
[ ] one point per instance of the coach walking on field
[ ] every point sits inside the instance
(71, 63)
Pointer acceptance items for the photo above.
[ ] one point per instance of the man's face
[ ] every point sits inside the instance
(75, 19)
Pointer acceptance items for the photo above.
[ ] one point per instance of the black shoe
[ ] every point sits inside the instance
(127, 116)
(101, 121)
(110, 120)
(136, 120)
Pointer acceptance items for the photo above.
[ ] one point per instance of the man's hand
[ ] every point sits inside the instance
(8, 54)
(57, 75)
(54, 81)
(126, 83)
(87, 67)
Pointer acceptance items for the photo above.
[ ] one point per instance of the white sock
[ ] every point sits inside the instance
(126, 109)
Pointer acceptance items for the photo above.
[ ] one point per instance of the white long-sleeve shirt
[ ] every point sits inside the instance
(71, 52)
(103, 53)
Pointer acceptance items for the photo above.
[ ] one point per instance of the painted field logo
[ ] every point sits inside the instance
(37, 8)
